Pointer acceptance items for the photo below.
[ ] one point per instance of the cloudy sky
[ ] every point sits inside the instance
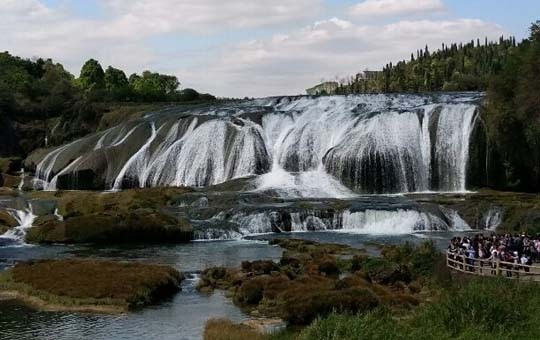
(250, 47)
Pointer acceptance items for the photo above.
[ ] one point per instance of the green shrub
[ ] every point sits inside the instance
(250, 292)
(304, 308)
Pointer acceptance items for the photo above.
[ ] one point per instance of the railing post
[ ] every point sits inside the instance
(498, 266)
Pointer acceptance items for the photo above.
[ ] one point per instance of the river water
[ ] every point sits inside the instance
(181, 317)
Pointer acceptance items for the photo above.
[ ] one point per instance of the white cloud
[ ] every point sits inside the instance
(288, 64)
(151, 16)
(285, 63)
(30, 28)
(395, 7)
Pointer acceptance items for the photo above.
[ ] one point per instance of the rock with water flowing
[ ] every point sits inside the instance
(335, 146)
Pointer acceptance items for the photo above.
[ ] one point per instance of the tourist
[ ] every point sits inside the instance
(509, 252)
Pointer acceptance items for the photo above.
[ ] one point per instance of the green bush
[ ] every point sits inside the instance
(250, 292)
(304, 308)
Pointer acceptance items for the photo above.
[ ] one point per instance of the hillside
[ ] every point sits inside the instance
(42, 103)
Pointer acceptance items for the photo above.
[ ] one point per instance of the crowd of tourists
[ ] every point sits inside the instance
(516, 252)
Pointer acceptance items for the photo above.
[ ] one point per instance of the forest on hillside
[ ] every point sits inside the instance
(32, 92)
(455, 67)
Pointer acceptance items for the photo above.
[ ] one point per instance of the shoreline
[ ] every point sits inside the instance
(42, 305)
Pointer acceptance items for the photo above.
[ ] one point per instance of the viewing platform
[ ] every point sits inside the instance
(481, 267)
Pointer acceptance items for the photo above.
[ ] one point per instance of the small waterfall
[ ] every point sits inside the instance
(25, 218)
(135, 165)
(21, 183)
(368, 221)
(57, 215)
(492, 218)
(51, 186)
(336, 146)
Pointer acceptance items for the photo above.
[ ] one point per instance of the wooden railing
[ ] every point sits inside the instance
(479, 267)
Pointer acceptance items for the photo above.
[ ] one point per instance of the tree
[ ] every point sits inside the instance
(117, 84)
(513, 116)
(154, 86)
(535, 31)
(92, 76)
(115, 79)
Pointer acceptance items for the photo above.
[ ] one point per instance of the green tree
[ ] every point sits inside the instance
(115, 79)
(155, 86)
(513, 116)
(92, 76)
(117, 84)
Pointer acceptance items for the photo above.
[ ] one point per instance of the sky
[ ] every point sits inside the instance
(253, 48)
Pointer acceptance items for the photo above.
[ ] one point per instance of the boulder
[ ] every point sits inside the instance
(6, 221)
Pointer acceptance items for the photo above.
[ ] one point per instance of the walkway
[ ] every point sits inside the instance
(479, 267)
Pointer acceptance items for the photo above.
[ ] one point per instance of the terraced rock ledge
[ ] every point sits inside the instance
(88, 286)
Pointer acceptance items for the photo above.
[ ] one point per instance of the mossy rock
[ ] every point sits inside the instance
(10, 181)
(6, 222)
(120, 228)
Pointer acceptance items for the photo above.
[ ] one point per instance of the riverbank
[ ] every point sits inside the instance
(88, 286)
(449, 305)
(312, 280)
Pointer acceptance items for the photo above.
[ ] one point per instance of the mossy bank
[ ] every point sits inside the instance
(131, 216)
(89, 286)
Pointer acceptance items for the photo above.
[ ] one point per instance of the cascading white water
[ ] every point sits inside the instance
(369, 221)
(452, 146)
(25, 218)
(318, 147)
(492, 218)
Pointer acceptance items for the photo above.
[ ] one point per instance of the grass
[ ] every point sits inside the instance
(478, 309)
(81, 203)
(406, 294)
(221, 329)
(313, 280)
(475, 309)
(90, 283)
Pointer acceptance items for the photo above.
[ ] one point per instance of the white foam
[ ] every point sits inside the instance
(25, 218)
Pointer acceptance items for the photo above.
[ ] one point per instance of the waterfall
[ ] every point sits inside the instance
(492, 218)
(336, 146)
(135, 165)
(454, 128)
(25, 218)
(369, 221)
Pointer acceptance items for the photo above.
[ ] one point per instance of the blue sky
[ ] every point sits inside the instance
(250, 47)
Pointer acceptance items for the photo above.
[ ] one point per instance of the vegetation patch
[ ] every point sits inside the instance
(221, 329)
(131, 216)
(95, 286)
(313, 280)
(367, 303)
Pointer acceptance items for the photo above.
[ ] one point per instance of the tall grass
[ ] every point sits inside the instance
(480, 309)
(78, 282)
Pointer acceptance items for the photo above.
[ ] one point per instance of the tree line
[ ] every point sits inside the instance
(41, 88)
(455, 67)
(37, 95)
(512, 115)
